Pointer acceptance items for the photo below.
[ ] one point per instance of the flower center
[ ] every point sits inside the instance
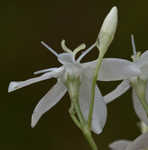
(69, 51)
(75, 51)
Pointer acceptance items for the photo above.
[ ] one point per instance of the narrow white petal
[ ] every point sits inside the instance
(117, 69)
(49, 48)
(100, 112)
(118, 91)
(45, 70)
(20, 84)
(113, 69)
(86, 52)
(48, 101)
(84, 96)
(119, 145)
(140, 143)
(139, 109)
(133, 45)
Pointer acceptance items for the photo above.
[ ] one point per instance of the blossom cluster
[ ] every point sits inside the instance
(77, 78)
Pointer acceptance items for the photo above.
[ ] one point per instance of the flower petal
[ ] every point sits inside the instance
(100, 112)
(14, 85)
(45, 70)
(144, 57)
(140, 143)
(146, 92)
(143, 64)
(113, 69)
(48, 101)
(117, 69)
(118, 91)
(139, 109)
(119, 145)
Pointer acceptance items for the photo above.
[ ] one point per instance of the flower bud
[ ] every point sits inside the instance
(108, 30)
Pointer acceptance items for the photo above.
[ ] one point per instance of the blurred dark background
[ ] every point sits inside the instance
(23, 24)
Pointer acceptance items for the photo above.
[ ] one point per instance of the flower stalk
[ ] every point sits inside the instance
(103, 42)
(99, 61)
(73, 86)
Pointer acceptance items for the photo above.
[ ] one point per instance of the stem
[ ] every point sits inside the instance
(74, 118)
(88, 136)
(73, 85)
(99, 61)
(78, 111)
(84, 127)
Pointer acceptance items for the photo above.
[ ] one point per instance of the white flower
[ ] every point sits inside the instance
(140, 143)
(139, 82)
(71, 67)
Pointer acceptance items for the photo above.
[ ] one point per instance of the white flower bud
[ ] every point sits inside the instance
(108, 30)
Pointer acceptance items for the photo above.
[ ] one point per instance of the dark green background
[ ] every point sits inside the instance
(23, 24)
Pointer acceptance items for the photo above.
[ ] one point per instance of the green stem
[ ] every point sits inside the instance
(84, 127)
(88, 136)
(79, 113)
(73, 85)
(74, 118)
(98, 65)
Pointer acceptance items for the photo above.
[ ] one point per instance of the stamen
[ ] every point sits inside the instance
(86, 52)
(64, 47)
(133, 45)
(44, 70)
(79, 48)
(49, 48)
